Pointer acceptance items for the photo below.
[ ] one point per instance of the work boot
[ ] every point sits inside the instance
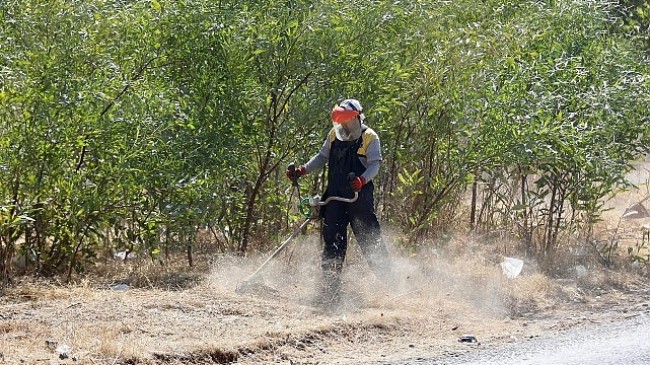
(327, 297)
(329, 289)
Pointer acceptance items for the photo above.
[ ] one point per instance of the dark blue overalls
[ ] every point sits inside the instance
(360, 215)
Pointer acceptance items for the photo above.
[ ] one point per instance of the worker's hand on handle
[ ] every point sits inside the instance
(293, 172)
(356, 182)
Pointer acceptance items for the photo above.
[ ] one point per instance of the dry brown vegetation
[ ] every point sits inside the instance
(170, 315)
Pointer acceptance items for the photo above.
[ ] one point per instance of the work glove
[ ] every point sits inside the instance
(357, 183)
(293, 172)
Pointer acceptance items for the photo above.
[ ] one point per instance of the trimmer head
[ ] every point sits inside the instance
(255, 287)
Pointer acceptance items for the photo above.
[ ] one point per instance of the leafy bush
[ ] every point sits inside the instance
(136, 125)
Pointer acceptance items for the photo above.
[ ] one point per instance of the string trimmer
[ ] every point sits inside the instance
(310, 208)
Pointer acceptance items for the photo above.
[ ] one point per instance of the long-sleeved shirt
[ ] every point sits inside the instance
(369, 154)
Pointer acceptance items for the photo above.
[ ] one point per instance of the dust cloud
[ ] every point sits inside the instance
(461, 281)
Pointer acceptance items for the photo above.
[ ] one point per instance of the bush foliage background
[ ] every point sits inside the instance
(133, 125)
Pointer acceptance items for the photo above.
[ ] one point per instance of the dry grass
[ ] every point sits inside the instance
(169, 315)
(172, 314)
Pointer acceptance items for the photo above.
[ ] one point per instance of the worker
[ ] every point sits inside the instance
(350, 147)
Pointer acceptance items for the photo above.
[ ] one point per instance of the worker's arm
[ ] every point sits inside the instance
(320, 159)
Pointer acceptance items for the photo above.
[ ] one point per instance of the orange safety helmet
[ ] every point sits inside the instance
(347, 110)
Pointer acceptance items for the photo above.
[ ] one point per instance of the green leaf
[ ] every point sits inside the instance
(156, 5)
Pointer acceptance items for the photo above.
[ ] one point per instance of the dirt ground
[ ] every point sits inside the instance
(441, 294)
(203, 320)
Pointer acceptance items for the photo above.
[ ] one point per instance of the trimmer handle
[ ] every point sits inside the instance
(291, 170)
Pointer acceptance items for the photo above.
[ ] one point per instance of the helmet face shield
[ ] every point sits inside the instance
(349, 131)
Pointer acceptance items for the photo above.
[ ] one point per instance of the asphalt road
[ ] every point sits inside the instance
(621, 343)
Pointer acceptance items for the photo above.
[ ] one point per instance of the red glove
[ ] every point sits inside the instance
(357, 183)
(294, 174)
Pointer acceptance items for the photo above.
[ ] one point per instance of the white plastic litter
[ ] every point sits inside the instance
(512, 267)
(122, 255)
(63, 351)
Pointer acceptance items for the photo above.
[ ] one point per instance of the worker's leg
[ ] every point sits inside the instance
(367, 231)
(335, 222)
